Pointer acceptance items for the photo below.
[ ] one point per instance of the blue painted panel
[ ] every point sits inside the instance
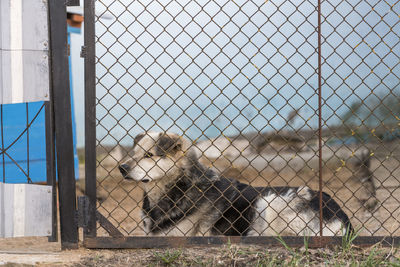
(15, 120)
(76, 160)
(17, 161)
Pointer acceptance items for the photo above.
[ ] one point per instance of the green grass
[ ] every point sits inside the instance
(345, 255)
(348, 238)
(168, 257)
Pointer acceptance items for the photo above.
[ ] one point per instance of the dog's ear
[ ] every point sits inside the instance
(168, 144)
(138, 138)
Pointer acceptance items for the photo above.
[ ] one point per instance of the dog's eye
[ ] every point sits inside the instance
(148, 155)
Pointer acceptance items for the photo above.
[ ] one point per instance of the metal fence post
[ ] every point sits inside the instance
(62, 122)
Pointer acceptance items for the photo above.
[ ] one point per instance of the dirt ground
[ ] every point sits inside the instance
(120, 200)
(36, 251)
(27, 252)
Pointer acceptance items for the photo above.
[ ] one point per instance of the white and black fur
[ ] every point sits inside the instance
(183, 197)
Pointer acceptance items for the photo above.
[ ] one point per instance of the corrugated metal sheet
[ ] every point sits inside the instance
(24, 64)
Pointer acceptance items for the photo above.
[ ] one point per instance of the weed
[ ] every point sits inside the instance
(254, 256)
(168, 257)
(348, 238)
(306, 243)
(283, 243)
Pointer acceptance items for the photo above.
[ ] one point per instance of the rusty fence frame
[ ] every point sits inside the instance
(89, 214)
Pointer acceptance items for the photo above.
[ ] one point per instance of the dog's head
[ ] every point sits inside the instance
(155, 155)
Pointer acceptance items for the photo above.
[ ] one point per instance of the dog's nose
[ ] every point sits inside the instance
(124, 169)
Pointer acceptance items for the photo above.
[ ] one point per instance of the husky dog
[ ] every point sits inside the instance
(184, 198)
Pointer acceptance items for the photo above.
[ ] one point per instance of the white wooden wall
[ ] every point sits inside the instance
(25, 209)
(24, 41)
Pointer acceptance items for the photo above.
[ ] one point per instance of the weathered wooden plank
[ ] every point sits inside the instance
(63, 124)
(108, 226)
(196, 241)
(25, 210)
(90, 116)
(51, 166)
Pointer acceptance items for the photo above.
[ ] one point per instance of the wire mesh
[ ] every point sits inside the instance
(16, 149)
(239, 79)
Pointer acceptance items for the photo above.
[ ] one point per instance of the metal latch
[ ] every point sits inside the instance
(83, 51)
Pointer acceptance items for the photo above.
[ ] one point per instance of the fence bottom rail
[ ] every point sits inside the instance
(179, 242)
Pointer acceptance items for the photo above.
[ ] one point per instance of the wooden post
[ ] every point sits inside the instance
(61, 100)
(90, 116)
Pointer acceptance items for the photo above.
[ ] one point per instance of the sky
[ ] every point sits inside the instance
(211, 68)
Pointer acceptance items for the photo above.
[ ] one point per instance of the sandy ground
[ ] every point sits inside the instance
(121, 200)
(28, 251)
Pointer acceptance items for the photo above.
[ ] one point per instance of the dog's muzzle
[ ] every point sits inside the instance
(124, 169)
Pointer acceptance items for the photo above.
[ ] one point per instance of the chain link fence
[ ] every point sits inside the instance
(240, 80)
